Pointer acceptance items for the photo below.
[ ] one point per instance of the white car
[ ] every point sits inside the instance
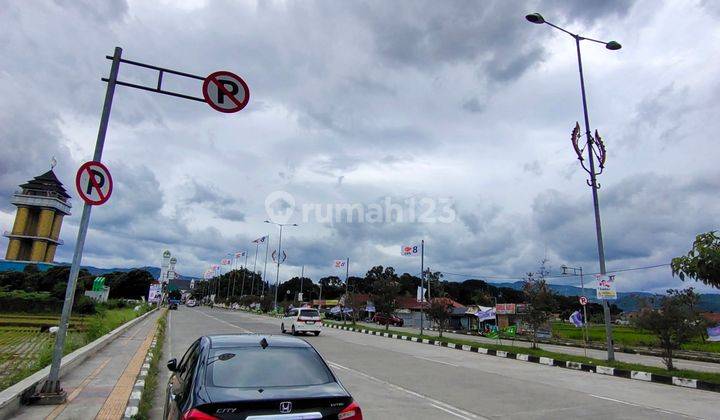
(190, 303)
(301, 320)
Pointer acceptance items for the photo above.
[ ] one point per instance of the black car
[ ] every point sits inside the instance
(250, 376)
(172, 305)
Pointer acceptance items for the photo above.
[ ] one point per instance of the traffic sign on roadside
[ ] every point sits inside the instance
(94, 183)
(226, 91)
(583, 300)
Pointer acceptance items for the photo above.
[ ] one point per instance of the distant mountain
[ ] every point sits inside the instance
(627, 301)
(154, 271)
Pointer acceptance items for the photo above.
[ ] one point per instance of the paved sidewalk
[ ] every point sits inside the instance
(90, 386)
(576, 351)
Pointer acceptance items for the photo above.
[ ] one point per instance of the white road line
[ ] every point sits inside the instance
(645, 407)
(450, 412)
(225, 322)
(432, 401)
(436, 361)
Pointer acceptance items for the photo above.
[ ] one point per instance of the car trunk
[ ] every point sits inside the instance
(240, 403)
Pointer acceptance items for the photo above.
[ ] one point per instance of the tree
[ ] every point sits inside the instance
(674, 323)
(541, 303)
(433, 283)
(439, 313)
(332, 287)
(702, 263)
(385, 289)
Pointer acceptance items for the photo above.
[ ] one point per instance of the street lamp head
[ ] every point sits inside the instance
(294, 224)
(613, 45)
(535, 18)
(267, 221)
(564, 269)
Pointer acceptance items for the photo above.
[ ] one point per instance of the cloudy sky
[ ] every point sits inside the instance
(461, 111)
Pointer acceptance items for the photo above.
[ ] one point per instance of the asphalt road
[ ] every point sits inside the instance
(577, 351)
(394, 379)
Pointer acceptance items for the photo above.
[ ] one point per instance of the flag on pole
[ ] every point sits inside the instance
(510, 331)
(340, 263)
(260, 240)
(410, 250)
(215, 267)
(576, 319)
(240, 254)
(421, 294)
(225, 261)
(714, 333)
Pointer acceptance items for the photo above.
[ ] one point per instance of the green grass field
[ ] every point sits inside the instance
(24, 349)
(624, 336)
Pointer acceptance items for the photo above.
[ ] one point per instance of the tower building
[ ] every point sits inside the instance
(41, 204)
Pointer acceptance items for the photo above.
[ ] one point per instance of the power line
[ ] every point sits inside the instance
(522, 277)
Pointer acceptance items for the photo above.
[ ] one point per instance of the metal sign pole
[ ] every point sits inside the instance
(422, 283)
(264, 279)
(51, 392)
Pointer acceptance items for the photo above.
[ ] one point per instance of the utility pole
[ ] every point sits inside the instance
(422, 284)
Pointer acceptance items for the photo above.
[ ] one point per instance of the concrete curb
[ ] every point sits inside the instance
(18, 394)
(600, 370)
(133, 404)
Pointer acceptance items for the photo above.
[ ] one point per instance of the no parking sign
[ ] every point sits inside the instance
(94, 183)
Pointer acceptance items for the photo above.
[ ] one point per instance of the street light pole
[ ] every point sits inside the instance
(592, 145)
(277, 272)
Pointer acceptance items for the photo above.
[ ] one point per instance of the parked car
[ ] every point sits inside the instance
(392, 320)
(299, 320)
(220, 375)
(172, 305)
(190, 303)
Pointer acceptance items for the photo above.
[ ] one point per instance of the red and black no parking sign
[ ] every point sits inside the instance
(226, 91)
(94, 183)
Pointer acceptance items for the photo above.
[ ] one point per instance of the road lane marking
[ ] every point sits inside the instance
(436, 361)
(467, 414)
(647, 407)
(450, 412)
(225, 322)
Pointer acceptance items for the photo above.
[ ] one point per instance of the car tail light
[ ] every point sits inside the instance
(351, 412)
(195, 414)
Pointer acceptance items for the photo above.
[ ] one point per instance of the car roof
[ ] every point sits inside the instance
(254, 340)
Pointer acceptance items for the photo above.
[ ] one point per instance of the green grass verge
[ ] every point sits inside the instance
(38, 357)
(625, 336)
(690, 374)
(151, 380)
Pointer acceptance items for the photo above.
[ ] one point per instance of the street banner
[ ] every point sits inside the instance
(260, 240)
(420, 295)
(606, 288)
(576, 319)
(155, 293)
(714, 333)
(410, 250)
(485, 313)
(505, 308)
(339, 263)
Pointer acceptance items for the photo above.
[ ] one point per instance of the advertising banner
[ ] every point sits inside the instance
(606, 288)
(155, 293)
(505, 308)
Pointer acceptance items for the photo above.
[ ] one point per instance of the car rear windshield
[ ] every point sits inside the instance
(309, 312)
(255, 367)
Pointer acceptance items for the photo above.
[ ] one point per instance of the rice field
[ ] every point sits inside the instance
(24, 340)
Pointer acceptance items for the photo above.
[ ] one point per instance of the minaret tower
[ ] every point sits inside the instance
(41, 204)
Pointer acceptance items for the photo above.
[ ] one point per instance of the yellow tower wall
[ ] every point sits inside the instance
(21, 220)
(38, 250)
(50, 253)
(13, 250)
(57, 224)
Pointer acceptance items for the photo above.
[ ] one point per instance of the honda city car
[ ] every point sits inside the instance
(248, 376)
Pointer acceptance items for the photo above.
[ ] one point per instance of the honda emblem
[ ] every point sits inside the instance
(285, 406)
